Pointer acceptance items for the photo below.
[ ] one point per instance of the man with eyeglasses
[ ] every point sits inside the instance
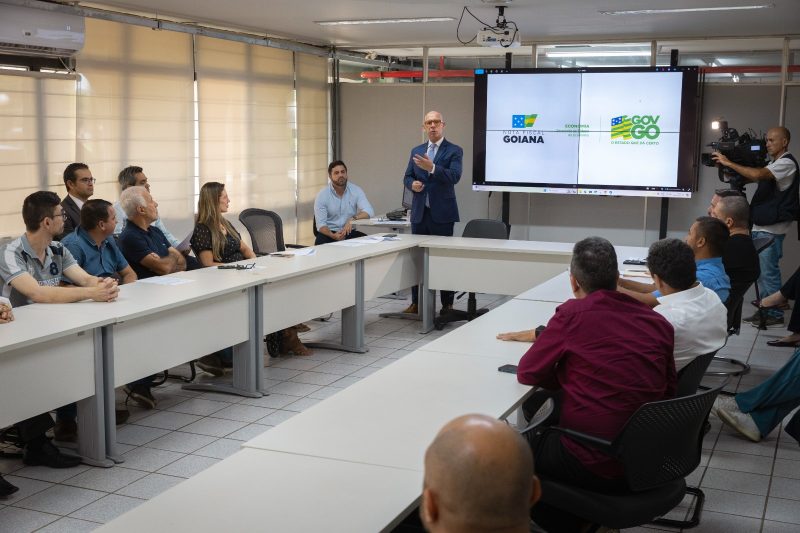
(433, 170)
(80, 187)
(32, 267)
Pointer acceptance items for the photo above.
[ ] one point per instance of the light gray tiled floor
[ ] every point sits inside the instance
(749, 487)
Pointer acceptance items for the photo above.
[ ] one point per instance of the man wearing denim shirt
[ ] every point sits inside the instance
(338, 205)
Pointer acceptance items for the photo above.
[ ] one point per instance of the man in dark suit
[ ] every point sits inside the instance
(433, 170)
(80, 187)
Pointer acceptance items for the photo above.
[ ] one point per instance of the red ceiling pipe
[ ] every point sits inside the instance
(747, 70)
(371, 75)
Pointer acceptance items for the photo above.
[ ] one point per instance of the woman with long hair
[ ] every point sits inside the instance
(215, 242)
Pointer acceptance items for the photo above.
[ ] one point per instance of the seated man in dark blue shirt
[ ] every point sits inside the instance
(707, 238)
(93, 246)
(144, 246)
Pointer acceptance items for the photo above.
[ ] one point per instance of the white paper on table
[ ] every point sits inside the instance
(351, 243)
(294, 252)
(305, 251)
(184, 244)
(380, 237)
(629, 273)
(166, 280)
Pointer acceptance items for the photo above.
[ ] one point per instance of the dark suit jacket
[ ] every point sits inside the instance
(439, 186)
(73, 219)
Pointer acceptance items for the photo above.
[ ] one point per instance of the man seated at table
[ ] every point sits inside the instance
(93, 246)
(740, 257)
(6, 316)
(698, 317)
(32, 268)
(606, 354)
(134, 176)
(338, 205)
(707, 238)
(80, 186)
(144, 246)
(478, 477)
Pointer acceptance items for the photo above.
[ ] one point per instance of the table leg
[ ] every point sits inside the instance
(352, 321)
(427, 297)
(92, 414)
(109, 397)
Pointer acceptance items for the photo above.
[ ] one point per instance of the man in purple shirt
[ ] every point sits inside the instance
(607, 354)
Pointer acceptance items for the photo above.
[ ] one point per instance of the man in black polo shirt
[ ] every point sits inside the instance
(144, 246)
(774, 206)
(740, 257)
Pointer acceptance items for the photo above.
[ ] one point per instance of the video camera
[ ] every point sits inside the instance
(745, 149)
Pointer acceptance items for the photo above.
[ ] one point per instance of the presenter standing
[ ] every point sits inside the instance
(433, 170)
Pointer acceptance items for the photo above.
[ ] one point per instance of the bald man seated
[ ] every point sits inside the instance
(478, 477)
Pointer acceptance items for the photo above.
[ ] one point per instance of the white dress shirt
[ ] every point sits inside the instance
(699, 319)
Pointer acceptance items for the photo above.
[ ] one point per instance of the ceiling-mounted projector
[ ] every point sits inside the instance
(499, 38)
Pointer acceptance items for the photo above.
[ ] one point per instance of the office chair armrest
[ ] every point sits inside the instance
(295, 246)
(595, 442)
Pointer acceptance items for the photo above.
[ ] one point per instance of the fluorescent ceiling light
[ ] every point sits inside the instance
(686, 10)
(382, 21)
(600, 53)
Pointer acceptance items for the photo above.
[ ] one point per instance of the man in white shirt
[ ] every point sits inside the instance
(698, 317)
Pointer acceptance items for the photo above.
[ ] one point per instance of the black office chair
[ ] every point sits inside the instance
(479, 228)
(690, 376)
(659, 446)
(265, 229)
(761, 244)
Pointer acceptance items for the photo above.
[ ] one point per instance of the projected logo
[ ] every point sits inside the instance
(523, 121)
(625, 128)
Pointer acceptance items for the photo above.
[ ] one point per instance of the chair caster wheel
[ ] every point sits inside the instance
(438, 324)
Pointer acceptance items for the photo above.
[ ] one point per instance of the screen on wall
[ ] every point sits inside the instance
(600, 131)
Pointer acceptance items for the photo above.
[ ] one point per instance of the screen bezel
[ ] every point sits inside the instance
(688, 152)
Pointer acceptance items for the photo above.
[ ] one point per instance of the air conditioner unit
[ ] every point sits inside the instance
(34, 32)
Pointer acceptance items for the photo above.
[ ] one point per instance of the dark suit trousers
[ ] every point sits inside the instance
(324, 239)
(428, 227)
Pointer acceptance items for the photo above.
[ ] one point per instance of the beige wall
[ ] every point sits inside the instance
(380, 124)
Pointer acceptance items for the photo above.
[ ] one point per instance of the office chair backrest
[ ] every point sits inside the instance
(265, 229)
(486, 228)
(690, 376)
(735, 303)
(662, 441)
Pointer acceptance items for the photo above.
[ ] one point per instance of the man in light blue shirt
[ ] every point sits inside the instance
(338, 205)
(707, 238)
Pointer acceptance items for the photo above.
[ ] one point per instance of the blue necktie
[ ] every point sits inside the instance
(431, 155)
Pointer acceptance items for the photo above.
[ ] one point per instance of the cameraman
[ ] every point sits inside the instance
(774, 206)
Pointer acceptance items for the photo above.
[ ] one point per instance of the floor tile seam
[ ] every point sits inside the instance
(58, 516)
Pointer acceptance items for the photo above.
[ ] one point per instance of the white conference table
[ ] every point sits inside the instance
(478, 336)
(385, 421)
(382, 222)
(257, 490)
(492, 266)
(59, 356)
(391, 417)
(337, 276)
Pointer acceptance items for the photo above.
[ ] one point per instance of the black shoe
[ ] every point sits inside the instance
(46, 454)
(142, 395)
(769, 321)
(445, 309)
(211, 364)
(122, 415)
(65, 431)
(6, 488)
